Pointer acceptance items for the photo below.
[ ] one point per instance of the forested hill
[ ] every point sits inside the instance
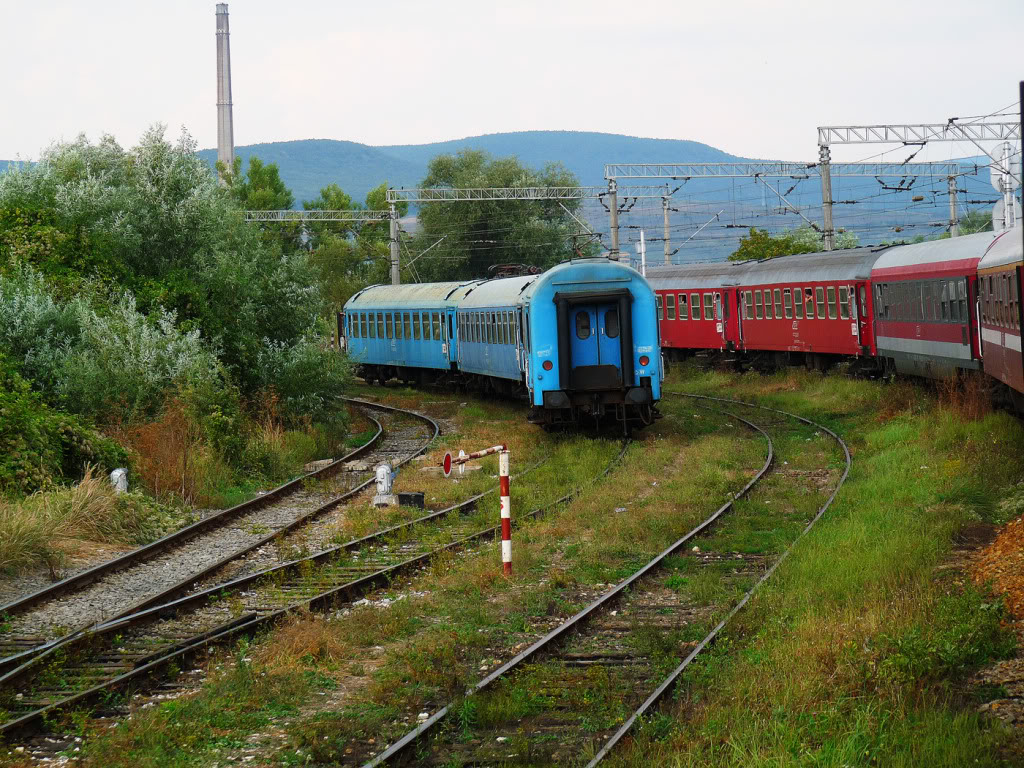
(308, 165)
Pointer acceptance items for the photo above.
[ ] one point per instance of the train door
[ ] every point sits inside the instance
(595, 346)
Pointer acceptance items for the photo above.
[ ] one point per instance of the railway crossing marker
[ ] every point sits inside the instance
(503, 493)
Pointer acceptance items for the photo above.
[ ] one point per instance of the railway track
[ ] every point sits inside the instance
(160, 571)
(573, 695)
(135, 650)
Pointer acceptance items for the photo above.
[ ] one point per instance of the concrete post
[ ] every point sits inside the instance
(825, 165)
(395, 278)
(954, 222)
(664, 211)
(613, 211)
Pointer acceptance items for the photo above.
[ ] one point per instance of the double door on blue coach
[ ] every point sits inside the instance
(596, 346)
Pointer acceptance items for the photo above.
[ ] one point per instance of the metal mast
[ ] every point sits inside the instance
(225, 127)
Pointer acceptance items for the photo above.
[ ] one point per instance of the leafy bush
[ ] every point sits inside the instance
(40, 446)
(90, 360)
(153, 221)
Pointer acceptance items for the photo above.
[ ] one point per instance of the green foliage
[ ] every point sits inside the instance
(349, 256)
(964, 631)
(153, 222)
(761, 244)
(101, 361)
(40, 446)
(976, 221)
(478, 235)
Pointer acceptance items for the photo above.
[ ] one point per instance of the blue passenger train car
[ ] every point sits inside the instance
(579, 341)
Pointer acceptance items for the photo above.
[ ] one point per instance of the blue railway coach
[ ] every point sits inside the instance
(579, 341)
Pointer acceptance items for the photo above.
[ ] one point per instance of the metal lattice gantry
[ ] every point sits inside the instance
(318, 215)
(451, 195)
(794, 170)
(761, 169)
(918, 133)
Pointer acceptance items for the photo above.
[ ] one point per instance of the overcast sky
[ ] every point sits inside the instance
(752, 78)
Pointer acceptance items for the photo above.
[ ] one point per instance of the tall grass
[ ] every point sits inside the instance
(40, 529)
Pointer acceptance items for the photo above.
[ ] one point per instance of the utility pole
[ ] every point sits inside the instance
(664, 211)
(825, 168)
(613, 210)
(954, 222)
(395, 278)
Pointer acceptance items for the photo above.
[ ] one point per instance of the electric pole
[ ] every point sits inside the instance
(395, 278)
(825, 168)
(613, 210)
(664, 211)
(954, 222)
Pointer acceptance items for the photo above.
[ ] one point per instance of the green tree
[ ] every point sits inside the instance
(760, 244)
(477, 235)
(977, 220)
(350, 255)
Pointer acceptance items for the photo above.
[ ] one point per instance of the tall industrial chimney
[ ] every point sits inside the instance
(225, 128)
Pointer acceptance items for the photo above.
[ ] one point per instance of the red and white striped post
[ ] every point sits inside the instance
(450, 461)
(506, 513)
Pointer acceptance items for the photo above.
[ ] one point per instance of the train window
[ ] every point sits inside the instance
(506, 327)
(684, 308)
(661, 309)
(757, 305)
(954, 306)
(502, 328)
(961, 292)
(437, 325)
(390, 324)
(748, 305)
(819, 300)
(416, 330)
(499, 335)
(725, 305)
(695, 306)
(844, 302)
(787, 299)
(831, 302)
(709, 311)
(767, 305)
(582, 324)
(399, 333)
(945, 302)
(408, 325)
(809, 303)
(492, 329)
(778, 304)
(526, 328)
(670, 306)
(798, 303)
(611, 323)
(362, 325)
(863, 302)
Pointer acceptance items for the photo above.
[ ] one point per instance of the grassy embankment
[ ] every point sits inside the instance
(855, 653)
(858, 652)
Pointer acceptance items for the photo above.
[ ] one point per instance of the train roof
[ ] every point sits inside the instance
(422, 295)
(500, 292)
(953, 255)
(1007, 248)
(713, 275)
(846, 264)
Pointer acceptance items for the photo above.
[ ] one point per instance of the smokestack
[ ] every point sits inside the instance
(225, 127)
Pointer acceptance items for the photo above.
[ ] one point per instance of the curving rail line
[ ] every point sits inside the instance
(17, 650)
(563, 631)
(341, 577)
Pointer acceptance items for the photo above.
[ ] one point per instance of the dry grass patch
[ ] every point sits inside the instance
(44, 527)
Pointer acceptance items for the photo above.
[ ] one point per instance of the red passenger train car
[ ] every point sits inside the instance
(809, 305)
(801, 307)
(925, 293)
(696, 306)
(999, 313)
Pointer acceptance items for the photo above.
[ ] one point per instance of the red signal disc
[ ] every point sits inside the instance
(447, 464)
